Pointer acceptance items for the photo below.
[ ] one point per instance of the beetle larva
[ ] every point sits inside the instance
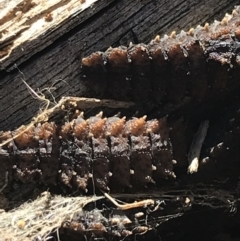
(93, 222)
(104, 152)
(180, 68)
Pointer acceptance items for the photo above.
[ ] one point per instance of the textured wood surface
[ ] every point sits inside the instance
(52, 64)
(54, 57)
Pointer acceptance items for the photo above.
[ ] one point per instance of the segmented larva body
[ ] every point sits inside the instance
(104, 152)
(190, 64)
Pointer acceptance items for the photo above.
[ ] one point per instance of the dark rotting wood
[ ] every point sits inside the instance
(208, 193)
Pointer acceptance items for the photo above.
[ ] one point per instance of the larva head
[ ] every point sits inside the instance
(95, 60)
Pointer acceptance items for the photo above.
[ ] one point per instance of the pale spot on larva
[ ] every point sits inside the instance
(173, 34)
(157, 39)
(224, 21)
(191, 32)
(234, 13)
(206, 27)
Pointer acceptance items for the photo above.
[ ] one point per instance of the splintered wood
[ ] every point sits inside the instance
(23, 23)
(37, 220)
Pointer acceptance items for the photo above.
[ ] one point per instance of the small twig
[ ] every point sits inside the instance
(127, 206)
(196, 146)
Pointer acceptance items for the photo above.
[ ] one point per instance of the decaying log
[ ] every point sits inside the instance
(44, 64)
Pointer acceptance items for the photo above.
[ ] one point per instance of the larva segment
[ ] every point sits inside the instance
(98, 85)
(66, 156)
(216, 41)
(48, 152)
(80, 128)
(26, 168)
(161, 149)
(178, 66)
(140, 158)
(83, 154)
(101, 152)
(161, 69)
(118, 62)
(197, 85)
(135, 127)
(140, 69)
(75, 154)
(25, 138)
(96, 127)
(120, 153)
(115, 126)
(120, 163)
(101, 171)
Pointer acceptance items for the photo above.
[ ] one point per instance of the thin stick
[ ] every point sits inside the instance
(127, 206)
(196, 146)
